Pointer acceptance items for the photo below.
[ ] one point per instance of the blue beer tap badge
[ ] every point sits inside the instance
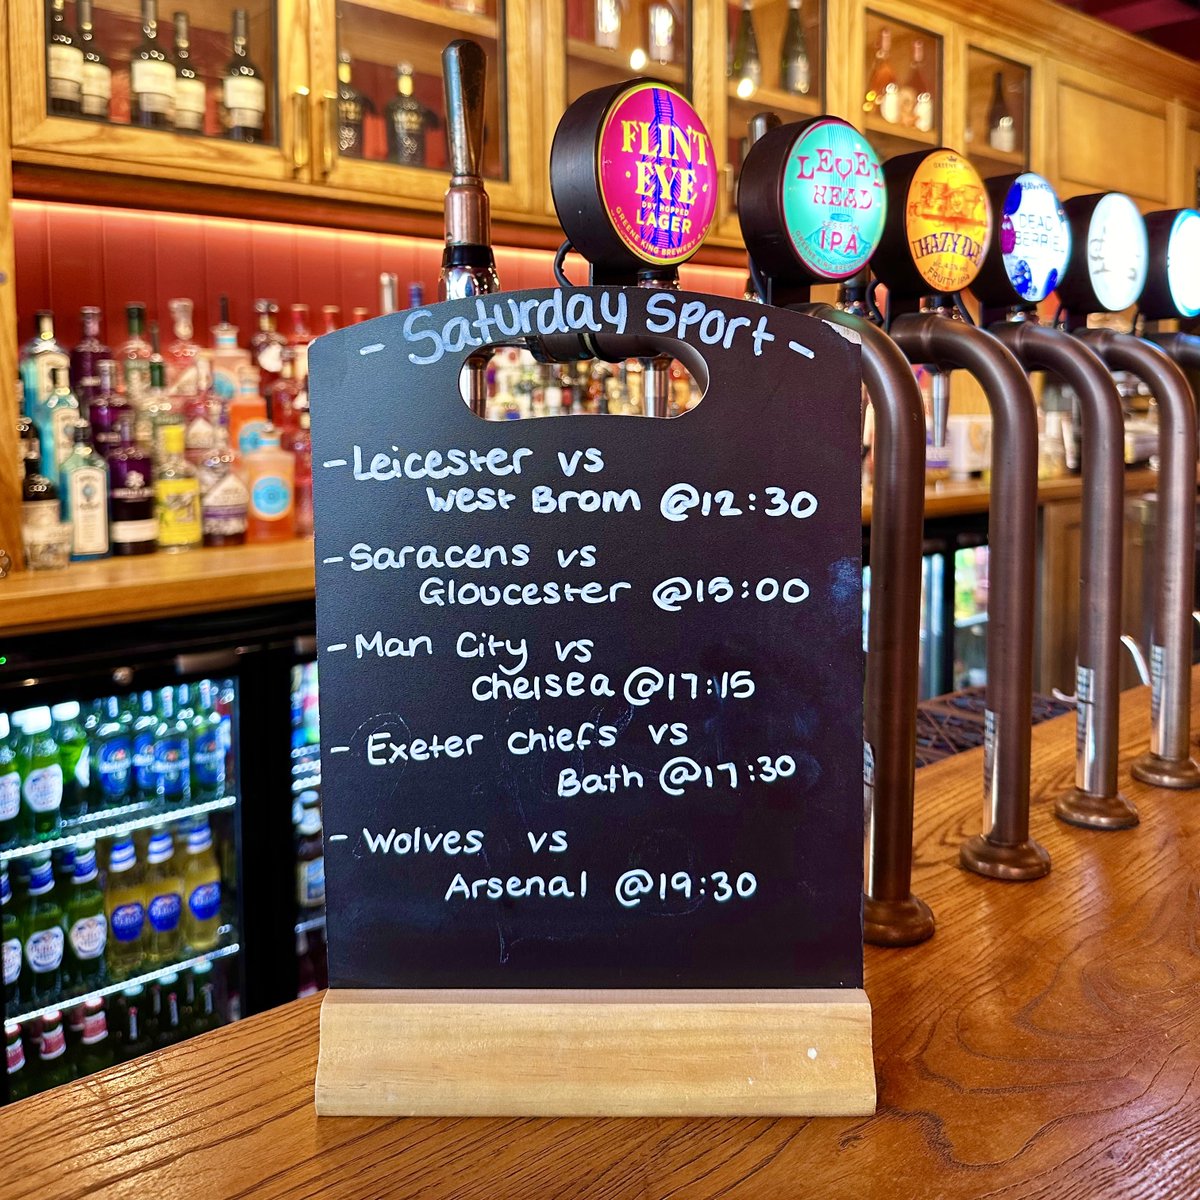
(1035, 237)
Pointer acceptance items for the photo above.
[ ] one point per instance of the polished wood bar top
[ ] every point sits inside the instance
(1044, 1045)
(115, 590)
(112, 590)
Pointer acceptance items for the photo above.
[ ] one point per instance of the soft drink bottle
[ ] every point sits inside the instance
(41, 775)
(125, 904)
(20, 1082)
(73, 758)
(87, 927)
(170, 1028)
(207, 752)
(95, 1050)
(164, 893)
(10, 787)
(112, 754)
(205, 1015)
(145, 722)
(43, 935)
(172, 766)
(135, 1038)
(55, 1067)
(202, 887)
(10, 942)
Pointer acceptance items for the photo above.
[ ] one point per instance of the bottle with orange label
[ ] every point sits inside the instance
(270, 475)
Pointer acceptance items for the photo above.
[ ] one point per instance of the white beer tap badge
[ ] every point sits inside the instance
(1035, 237)
(1183, 262)
(1118, 252)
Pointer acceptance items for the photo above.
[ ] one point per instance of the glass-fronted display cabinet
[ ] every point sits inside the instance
(607, 41)
(903, 87)
(775, 63)
(378, 106)
(137, 81)
(996, 132)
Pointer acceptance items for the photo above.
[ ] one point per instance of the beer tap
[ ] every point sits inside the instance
(468, 265)
(1107, 272)
(1012, 280)
(797, 234)
(1172, 290)
(937, 229)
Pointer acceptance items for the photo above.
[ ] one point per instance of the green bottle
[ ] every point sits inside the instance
(41, 775)
(207, 748)
(112, 756)
(73, 756)
(87, 926)
(172, 769)
(135, 1037)
(44, 937)
(204, 1010)
(10, 787)
(55, 1066)
(20, 1082)
(95, 1050)
(10, 942)
(145, 722)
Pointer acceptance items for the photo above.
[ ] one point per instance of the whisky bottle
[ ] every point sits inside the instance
(151, 77)
(97, 74)
(883, 90)
(746, 67)
(352, 106)
(190, 97)
(64, 65)
(407, 121)
(1002, 129)
(794, 71)
(243, 92)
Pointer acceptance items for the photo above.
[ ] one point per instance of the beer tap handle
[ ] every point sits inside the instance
(464, 72)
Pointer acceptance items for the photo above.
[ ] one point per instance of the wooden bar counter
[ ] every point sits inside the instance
(1045, 1045)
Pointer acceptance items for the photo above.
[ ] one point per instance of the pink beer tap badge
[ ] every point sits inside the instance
(657, 176)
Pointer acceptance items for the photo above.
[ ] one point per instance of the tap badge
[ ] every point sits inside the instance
(1035, 237)
(834, 199)
(947, 220)
(657, 177)
(1183, 255)
(1118, 252)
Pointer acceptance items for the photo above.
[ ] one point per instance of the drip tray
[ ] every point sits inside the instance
(949, 724)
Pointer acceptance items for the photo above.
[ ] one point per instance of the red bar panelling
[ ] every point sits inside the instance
(129, 241)
(33, 264)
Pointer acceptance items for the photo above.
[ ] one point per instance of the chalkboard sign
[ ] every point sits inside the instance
(591, 687)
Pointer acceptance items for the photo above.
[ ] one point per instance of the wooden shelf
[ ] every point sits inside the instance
(989, 161)
(390, 13)
(776, 100)
(877, 127)
(613, 61)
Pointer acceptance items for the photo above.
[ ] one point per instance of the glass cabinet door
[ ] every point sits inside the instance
(996, 132)
(774, 63)
(379, 113)
(902, 94)
(191, 93)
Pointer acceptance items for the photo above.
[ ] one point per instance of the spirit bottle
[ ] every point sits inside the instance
(39, 356)
(85, 496)
(883, 90)
(227, 359)
(155, 406)
(387, 292)
(133, 527)
(407, 122)
(359, 315)
(299, 339)
(134, 354)
(352, 106)
(176, 494)
(297, 441)
(151, 77)
(97, 74)
(223, 495)
(270, 474)
(190, 97)
(58, 414)
(1002, 129)
(331, 315)
(794, 70)
(660, 21)
(282, 395)
(39, 496)
(64, 65)
(608, 24)
(182, 354)
(416, 295)
(746, 67)
(107, 409)
(267, 343)
(243, 92)
(85, 358)
(916, 98)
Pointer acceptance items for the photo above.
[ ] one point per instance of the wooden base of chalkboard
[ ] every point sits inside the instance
(595, 1053)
